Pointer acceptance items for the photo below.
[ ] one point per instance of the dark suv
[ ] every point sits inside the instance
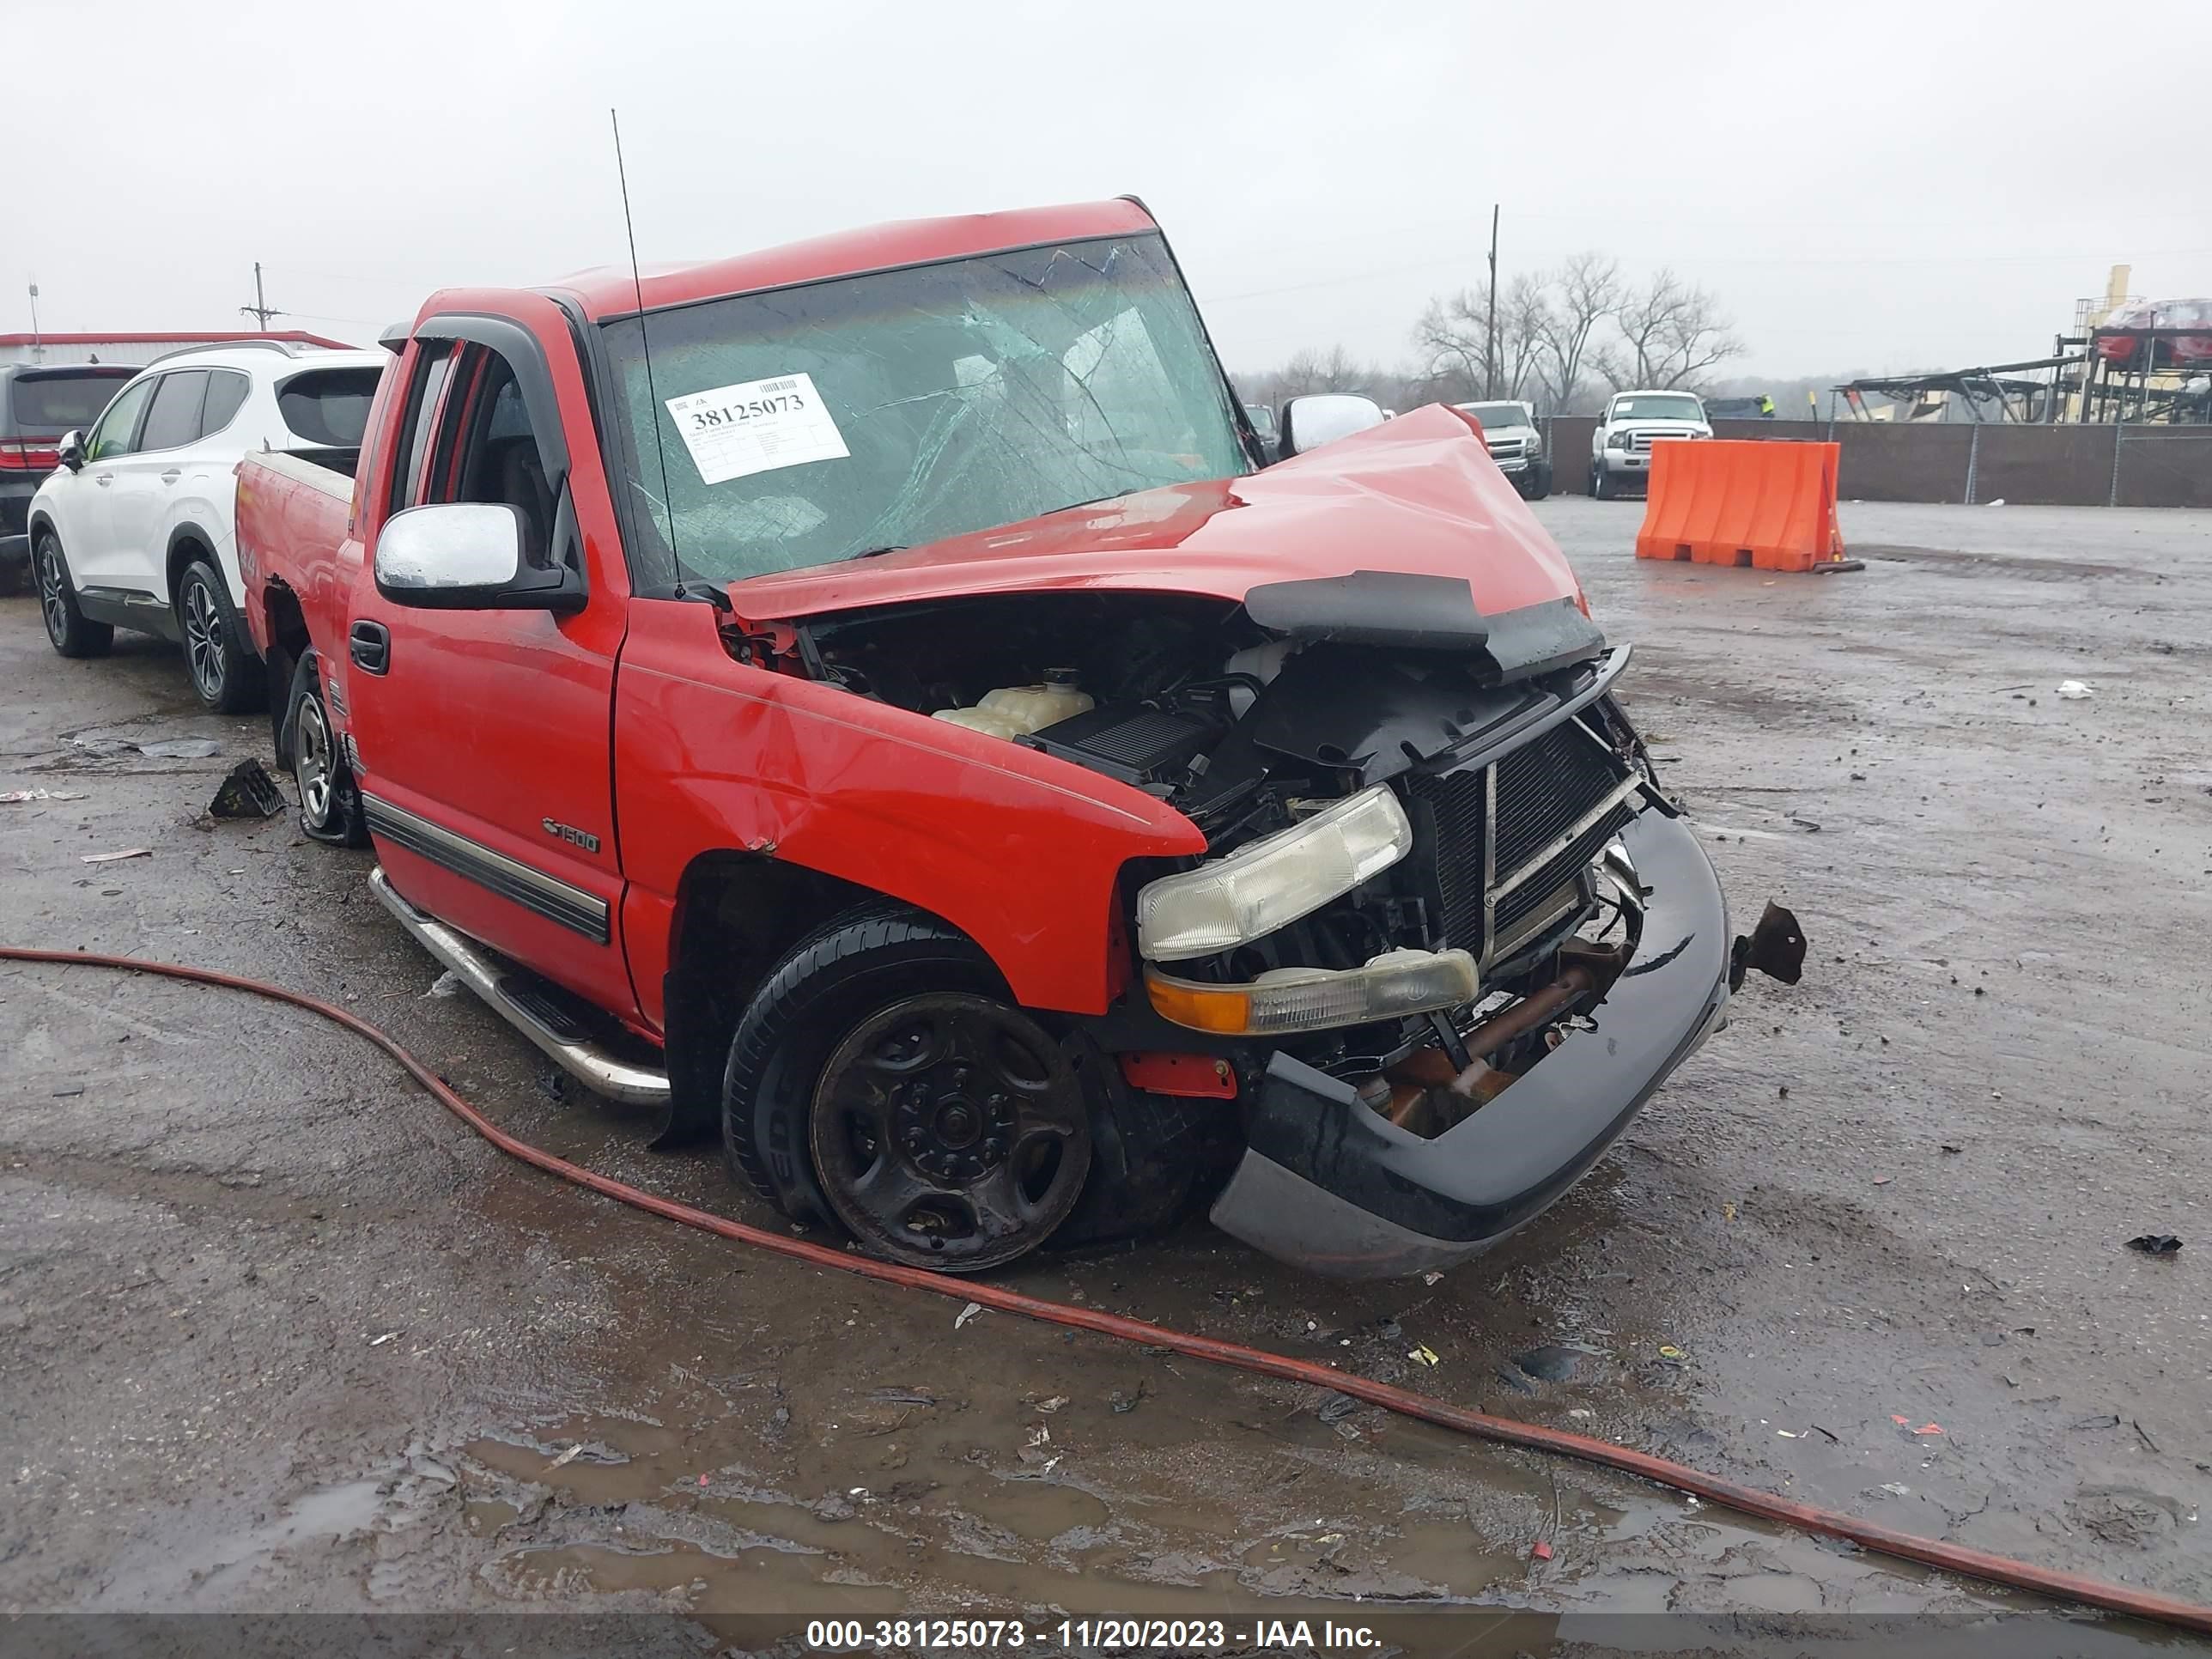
(37, 403)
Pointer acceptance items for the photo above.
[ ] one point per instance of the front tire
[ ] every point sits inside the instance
(226, 673)
(1601, 484)
(67, 629)
(329, 801)
(1540, 481)
(883, 1079)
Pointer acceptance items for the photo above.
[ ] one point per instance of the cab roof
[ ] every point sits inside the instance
(609, 291)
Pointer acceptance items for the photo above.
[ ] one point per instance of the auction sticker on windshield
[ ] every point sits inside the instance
(757, 426)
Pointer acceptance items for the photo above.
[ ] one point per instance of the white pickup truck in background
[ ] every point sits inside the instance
(1620, 448)
(1517, 444)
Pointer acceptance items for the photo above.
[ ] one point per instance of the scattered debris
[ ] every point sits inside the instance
(1948, 1148)
(2144, 1434)
(1052, 1404)
(2156, 1244)
(379, 1341)
(110, 858)
(180, 748)
(446, 984)
(1998, 502)
(1581, 1414)
(1123, 1403)
(1883, 1180)
(14, 795)
(1896, 1490)
(2102, 1421)
(1669, 1351)
(2074, 690)
(1540, 1551)
(562, 1460)
(903, 1397)
(1906, 1423)
(74, 1090)
(1422, 1355)
(1728, 1211)
(247, 792)
(1431, 1278)
(1335, 1407)
(967, 1314)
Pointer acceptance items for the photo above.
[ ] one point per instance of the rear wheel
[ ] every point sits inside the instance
(225, 671)
(883, 1079)
(66, 627)
(330, 802)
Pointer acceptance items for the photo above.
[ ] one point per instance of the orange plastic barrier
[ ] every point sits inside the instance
(1763, 503)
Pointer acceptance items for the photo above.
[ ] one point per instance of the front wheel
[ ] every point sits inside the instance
(1540, 481)
(883, 1079)
(329, 801)
(226, 672)
(67, 629)
(1601, 484)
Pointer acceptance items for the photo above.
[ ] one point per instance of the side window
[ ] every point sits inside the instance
(173, 419)
(490, 453)
(426, 397)
(112, 436)
(227, 390)
(328, 407)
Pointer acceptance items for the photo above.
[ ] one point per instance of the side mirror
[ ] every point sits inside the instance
(1311, 421)
(72, 449)
(466, 555)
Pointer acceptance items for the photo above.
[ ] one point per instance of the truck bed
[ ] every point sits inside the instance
(294, 512)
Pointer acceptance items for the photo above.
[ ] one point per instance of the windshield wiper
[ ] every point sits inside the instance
(872, 553)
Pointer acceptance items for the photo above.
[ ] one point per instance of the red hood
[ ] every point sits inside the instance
(1418, 494)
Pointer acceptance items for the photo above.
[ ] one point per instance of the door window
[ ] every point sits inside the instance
(119, 425)
(227, 390)
(328, 407)
(489, 451)
(173, 419)
(434, 368)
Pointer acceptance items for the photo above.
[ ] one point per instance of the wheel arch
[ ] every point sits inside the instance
(187, 542)
(737, 913)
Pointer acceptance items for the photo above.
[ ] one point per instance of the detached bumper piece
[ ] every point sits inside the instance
(1328, 1185)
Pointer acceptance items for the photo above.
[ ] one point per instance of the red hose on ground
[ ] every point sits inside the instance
(1747, 1500)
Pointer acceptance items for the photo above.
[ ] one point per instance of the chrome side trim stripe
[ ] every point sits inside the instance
(555, 900)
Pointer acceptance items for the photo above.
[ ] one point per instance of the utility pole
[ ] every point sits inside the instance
(37, 346)
(1490, 348)
(261, 310)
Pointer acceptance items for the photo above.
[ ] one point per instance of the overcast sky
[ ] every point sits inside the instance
(1876, 186)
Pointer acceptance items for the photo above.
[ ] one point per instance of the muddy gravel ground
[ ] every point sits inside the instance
(276, 1334)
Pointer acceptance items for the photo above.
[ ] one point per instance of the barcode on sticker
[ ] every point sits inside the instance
(777, 385)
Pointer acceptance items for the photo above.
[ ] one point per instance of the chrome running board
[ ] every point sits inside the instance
(476, 968)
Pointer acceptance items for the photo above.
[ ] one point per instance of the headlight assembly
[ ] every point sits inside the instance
(1272, 882)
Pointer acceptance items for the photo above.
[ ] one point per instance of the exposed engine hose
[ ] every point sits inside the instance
(1747, 1500)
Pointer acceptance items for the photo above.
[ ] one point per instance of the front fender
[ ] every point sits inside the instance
(1019, 851)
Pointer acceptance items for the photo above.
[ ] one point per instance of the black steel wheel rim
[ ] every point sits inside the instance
(203, 639)
(52, 606)
(949, 1131)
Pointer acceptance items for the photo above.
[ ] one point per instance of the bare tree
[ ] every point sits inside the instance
(1584, 292)
(1334, 370)
(1455, 339)
(1671, 332)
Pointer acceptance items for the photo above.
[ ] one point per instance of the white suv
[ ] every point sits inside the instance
(134, 530)
(1620, 448)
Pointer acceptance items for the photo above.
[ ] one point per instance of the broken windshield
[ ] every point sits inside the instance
(805, 425)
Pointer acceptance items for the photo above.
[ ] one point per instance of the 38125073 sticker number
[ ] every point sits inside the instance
(756, 426)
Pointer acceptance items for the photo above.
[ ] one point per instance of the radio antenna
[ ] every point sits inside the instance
(645, 339)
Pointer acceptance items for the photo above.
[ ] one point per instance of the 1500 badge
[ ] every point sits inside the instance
(570, 834)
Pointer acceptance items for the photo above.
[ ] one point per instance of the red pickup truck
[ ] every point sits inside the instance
(870, 701)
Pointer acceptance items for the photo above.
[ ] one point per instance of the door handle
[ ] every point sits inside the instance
(369, 644)
(103, 479)
(173, 474)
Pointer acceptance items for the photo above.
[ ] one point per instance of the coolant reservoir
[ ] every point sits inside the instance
(1033, 707)
(986, 721)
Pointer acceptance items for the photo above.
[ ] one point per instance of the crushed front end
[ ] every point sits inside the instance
(1448, 934)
